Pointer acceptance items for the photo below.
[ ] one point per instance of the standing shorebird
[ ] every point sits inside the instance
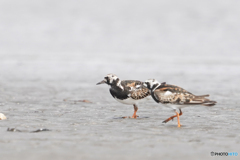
(127, 91)
(175, 97)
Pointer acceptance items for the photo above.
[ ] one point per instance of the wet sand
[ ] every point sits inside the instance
(94, 130)
(52, 55)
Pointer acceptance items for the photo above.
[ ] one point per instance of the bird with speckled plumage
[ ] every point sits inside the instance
(129, 92)
(175, 97)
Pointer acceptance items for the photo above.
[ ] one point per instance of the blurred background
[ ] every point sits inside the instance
(51, 50)
(116, 36)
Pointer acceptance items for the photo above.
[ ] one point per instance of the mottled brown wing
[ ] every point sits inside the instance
(171, 97)
(140, 93)
(136, 89)
(172, 88)
(131, 83)
(176, 95)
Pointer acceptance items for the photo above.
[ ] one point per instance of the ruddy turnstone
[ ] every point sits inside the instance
(175, 97)
(127, 91)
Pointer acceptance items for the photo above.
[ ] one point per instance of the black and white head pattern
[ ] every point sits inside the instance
(112, 79)
(152, 84)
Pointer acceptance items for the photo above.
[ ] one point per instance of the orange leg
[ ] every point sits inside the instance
(171, 118)
(179, 125)
(135, 111)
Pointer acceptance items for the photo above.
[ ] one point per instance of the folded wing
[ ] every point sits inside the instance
(137, 89)
(176, 95)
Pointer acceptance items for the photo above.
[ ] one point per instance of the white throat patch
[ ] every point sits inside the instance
(119, 85)
(156, 87)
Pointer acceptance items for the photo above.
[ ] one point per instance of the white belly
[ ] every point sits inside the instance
(175, 106)
(130, 101)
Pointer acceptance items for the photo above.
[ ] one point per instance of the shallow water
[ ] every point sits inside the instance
(53, 57)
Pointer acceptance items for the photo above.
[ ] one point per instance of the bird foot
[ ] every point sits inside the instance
(135, 116)
(168, 120)
(131, 117)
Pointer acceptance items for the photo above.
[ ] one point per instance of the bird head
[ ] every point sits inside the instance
(110, 79)
(151, 84)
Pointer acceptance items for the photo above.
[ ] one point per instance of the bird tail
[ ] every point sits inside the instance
(205, 101)
(209, 103)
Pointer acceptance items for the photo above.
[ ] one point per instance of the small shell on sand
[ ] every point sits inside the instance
(2, 116)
